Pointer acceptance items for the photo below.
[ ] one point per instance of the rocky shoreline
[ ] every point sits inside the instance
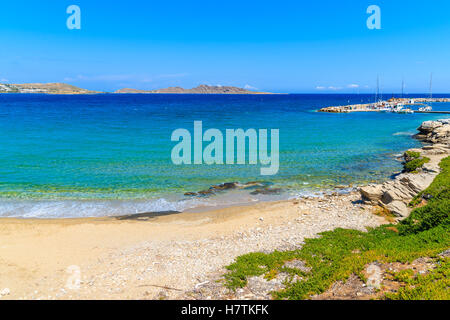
(396, 194)
(392, 195)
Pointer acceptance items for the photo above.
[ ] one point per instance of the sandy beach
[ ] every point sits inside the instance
(162, 257)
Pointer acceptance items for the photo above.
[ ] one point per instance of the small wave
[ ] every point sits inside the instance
(404, 133)
(85, 208)
(55, 209)
(62, 209)
(306, 194)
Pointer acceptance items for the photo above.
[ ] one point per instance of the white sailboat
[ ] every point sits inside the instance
(428, 107)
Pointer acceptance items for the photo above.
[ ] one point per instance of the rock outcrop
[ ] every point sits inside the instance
(435, 132)
(395, 194)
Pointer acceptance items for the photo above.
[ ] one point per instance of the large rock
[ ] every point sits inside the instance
(441, 135)
(399, 192)
(396, 191)
(372, 193)
(417, 182)
(399, 208)
(428, 126)
(435, 131)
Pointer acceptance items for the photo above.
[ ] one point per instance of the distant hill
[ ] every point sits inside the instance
(200, 89)
(63, 88)
(49, 88)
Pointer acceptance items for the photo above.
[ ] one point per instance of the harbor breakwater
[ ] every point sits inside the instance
(383, 105)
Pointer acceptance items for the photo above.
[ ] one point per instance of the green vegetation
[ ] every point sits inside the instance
(413, 165)
(440, 186)
(338, 254)
(431, 286)
(413, 154)
(414, 161)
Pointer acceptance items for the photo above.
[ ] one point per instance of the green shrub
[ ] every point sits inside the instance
(413, 154)
(415, 164)
(427, 217)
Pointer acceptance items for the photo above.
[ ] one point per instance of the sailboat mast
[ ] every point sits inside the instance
(377, 93)
(403, 87)
(380, 93)
(431, 86)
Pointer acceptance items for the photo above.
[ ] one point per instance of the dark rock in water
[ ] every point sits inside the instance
(213, 188)
(254, 184)
(225, 186)
(206, 192)
(267, 191)
(263, 188)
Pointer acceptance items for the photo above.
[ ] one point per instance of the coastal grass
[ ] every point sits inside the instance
(337, 254)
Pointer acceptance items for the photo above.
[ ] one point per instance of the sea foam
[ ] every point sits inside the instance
(89, 208)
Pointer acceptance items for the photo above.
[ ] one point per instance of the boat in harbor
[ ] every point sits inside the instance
(425, 108)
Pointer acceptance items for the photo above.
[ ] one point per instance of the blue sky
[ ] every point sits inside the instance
(280, 46)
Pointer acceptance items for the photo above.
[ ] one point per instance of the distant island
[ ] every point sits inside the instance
(199, 89)
(63, 88)
(48, 88)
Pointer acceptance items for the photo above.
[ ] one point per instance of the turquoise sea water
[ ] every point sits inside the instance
(69, 156)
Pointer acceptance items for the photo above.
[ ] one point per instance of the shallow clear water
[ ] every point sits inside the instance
(98, 155)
